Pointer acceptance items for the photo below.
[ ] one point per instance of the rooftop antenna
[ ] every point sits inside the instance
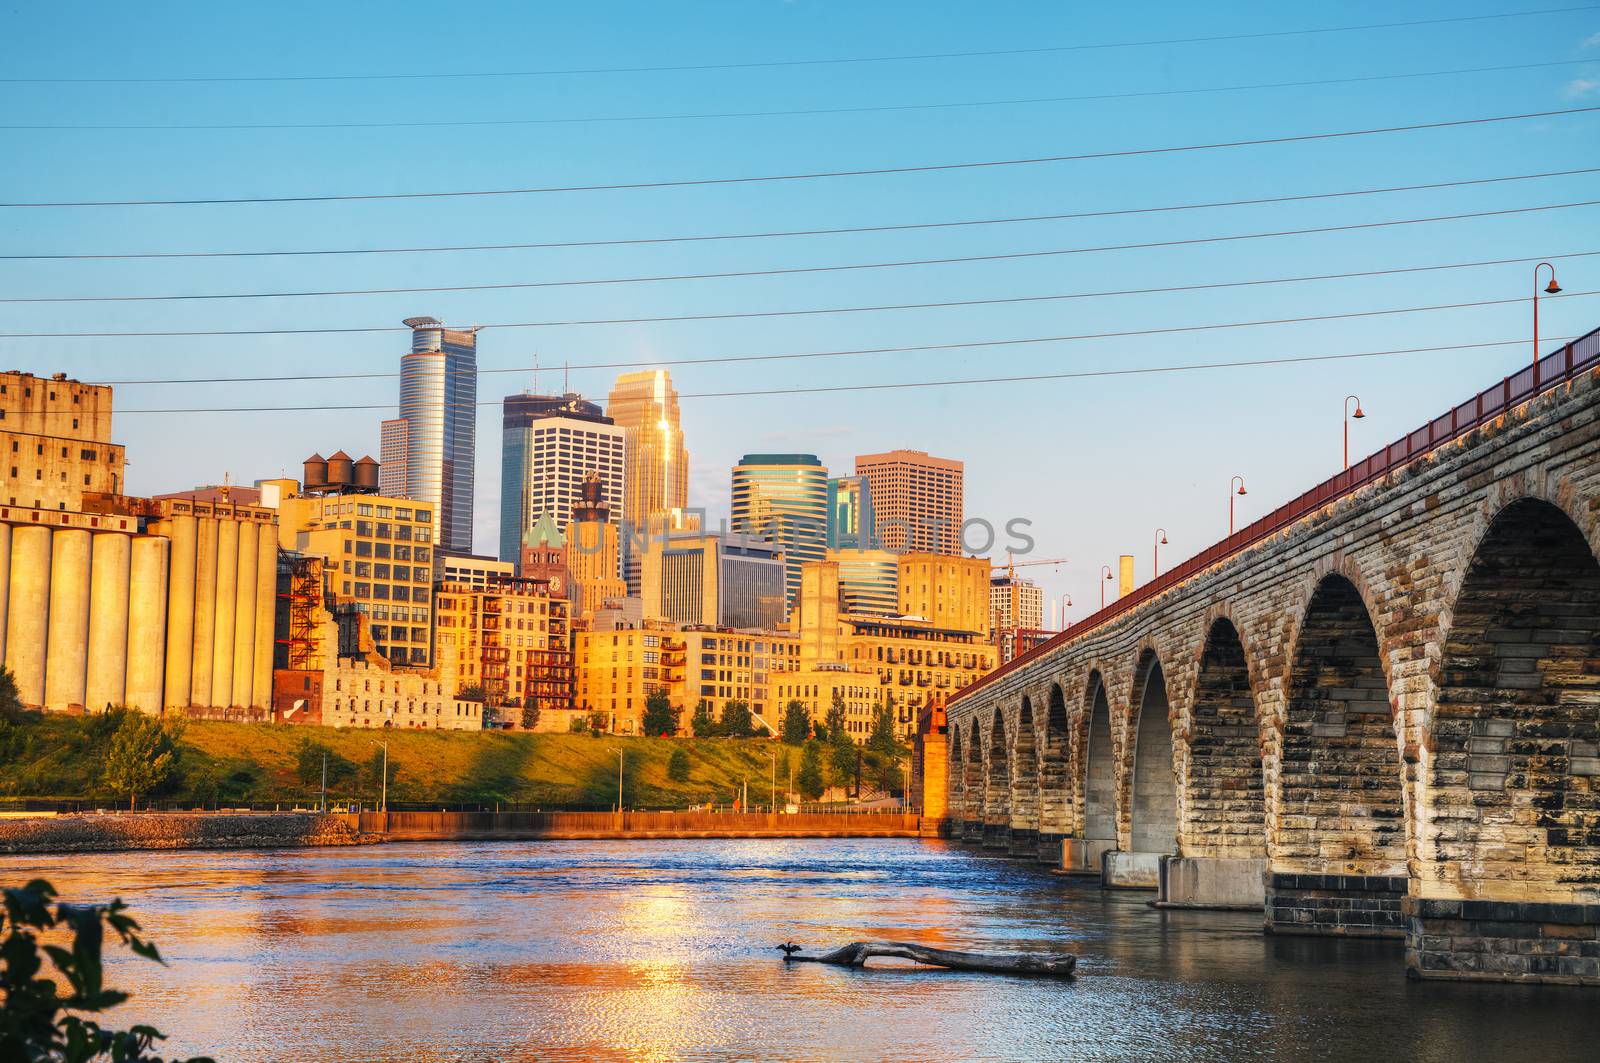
(566, 388)
(536, 372)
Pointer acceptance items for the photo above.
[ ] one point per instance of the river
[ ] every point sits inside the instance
(664, 950)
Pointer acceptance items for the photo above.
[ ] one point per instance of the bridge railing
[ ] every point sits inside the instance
(1555, 369)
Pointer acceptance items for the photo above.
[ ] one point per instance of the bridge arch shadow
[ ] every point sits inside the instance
(1024, 824)
(997, 791)
(1339, 847)
(1514, 786)
(1055, 778)
(1224, 790)
(1099, 773)
(956, 783)
(973, 784)
(1151, 783)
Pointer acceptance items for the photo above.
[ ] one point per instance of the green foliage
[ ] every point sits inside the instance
(883, 738)
(38, 1022)
(809, 779)
(737, 721)
(10, 704)
(678, 765)
(660, 715)
(796, 724)
(530, 715)
(475, 692)
(702, 724)
(308, 766)
(579, 725)
(842, 759)
(142, 756)
(836, 732)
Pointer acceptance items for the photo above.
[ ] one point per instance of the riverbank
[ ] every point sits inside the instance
(121, 832)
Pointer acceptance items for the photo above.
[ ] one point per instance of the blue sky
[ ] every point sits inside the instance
(1097, 464)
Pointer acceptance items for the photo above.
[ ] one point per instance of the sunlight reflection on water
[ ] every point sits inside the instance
(665, 950)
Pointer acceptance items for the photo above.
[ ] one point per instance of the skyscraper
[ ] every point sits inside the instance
(850, 515)
(917, 500)
(783, 498)
(550, 444)
(428, 451)
(645, 406)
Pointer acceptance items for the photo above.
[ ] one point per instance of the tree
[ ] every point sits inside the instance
(308, 765)
(660, 715)
(678, 765)
(38, 1021)
(530, 715)
(143, 755)
(883, 738)
(809, 778)
(796, 724)
(736, 719)
(703, 724)
(842, 758)
(10, 704)
(836, 732)
(475, 692)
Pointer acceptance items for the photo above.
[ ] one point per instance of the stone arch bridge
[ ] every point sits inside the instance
(1376, 712)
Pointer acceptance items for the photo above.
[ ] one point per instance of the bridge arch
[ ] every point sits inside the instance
(1341, 806)
(1055, 767)
(1099, 765)
(956, 778)
(1150, 781)
(1025, 772)
(1513, 806)
(1224, 793)
(997, 789)
(972, 772)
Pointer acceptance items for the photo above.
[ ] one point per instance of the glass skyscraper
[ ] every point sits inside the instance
(783, 498)
(850, 523)
(549, 446)
(429, 450)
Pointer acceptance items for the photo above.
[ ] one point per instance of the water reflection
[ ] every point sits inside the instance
(664, 950)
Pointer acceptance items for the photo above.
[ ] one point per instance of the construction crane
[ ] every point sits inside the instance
(1012, 564)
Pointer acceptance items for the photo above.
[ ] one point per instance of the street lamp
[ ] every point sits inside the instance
(1161, 540)
(619, 782)
(1240, 481)
(1348, 416)
(1066, 603)
(385, 747)
(1106, 570)
(774, 758)
(1551, 289)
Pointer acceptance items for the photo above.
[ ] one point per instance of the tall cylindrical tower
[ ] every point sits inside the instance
(147, 622)
(205, 612)
(27, 620)
(66, 661)
(182, 530)
(266, 613)
(227, 592)
(108, 621)
(5, 585)
(244, 616)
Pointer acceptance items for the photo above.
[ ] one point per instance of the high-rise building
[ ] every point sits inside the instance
(645, 406)
(948, 592)
(728, 581)
(1015, 602)
(512, 640)
(428, 452)
(850, 516)
(551, 444)
(593, 552)
(917, 500)
(869, 581)
(783, 498)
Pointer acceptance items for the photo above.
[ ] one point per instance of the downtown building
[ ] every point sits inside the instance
(550, 445)
(783, 498)
(428, 452)
(917, 500)
(512, 641)
(718, 580)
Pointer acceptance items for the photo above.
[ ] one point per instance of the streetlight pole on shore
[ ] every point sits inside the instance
(384, 807)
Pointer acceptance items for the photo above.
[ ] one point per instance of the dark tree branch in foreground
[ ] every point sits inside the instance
(857, 953)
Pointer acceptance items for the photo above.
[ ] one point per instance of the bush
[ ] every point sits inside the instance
(38, 1021)
(530, 715)
(678, 765)
(702, 724)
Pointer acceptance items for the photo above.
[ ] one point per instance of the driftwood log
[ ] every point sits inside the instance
(857, 953)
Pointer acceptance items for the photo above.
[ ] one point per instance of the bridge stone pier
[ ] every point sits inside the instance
(1374, 713)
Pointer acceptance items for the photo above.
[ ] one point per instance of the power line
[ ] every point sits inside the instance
(812, 175)
(828, 61)
(789, 112)
(824, 310)
(954, 346)
(790, 270)
(787, 233)
(910, 384)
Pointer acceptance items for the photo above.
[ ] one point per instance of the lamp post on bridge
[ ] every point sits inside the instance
(1348, 417)
(1240, 481)
(1066, 603)
(1551, 289)
(1106, 569)
(1161, 540)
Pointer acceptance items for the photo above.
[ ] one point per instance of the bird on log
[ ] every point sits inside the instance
(857, 953)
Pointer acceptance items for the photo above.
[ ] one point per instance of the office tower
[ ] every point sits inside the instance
(916, 500)
(783, 498)
(850, 517)
(730, 581)
(428, 451)
(1015, 602)
(645, 406)
(593, 551)
(550, 444)
(869, 581)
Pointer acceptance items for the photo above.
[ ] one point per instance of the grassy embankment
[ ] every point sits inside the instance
(223, 763)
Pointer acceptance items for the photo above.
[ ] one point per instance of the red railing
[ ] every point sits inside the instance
(1553, 370)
